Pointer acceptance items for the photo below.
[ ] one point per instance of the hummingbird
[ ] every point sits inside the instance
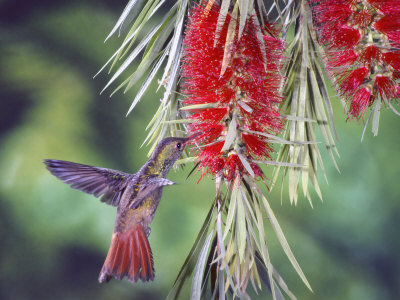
(136, 197)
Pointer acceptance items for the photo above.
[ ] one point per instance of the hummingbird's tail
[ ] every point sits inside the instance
(129, 255)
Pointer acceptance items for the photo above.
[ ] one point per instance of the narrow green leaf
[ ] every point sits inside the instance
(260, 39)
(128, 10)
(276, 2)
(231, 135)
(291, 11)
(156, 127)
(154, 51)
(264, 272)
(220, 238)
(131, 57)
(243, 9)
(262, 12)
(321, 116)
(282, 284)
(245, 106)
(149, 79)
(231, 210)
(167, 20)
(154, 118)
(131, 16)
(246, 165)
(230, 37)
(366, 125)
(199, 106)
(375, 119)
(241, 228)
(128, 39)
(298, 118)
(145, 15)
(276, 139)
(199, 269)
(392, 107)
(278, 163)
(223, 12)
(249, 204)
(263, 250)
(305, 172)
(140, 21)
(283, 242)
(176, 39)
(173, 76)
(325, 95)
(181, 121)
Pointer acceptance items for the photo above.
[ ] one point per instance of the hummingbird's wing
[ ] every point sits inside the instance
(147, 189)
(92, 180)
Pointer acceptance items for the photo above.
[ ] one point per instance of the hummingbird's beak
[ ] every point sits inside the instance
(192, 137)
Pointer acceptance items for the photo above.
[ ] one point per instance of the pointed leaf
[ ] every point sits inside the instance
(375, 119)
(230, 136)
(283, 242)
(241, 228)
(221, 19)
(246, 165)
(128, 10)
(230, 38)
(199, 269)
(231, 210)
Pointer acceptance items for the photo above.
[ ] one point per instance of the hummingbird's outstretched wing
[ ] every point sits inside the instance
(92, 180)
(148, 188)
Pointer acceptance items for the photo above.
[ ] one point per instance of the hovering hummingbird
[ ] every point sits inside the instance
(136, 197)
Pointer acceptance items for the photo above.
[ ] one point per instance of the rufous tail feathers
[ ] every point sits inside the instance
(129, 255)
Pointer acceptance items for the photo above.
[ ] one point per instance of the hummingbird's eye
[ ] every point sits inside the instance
(178, 145)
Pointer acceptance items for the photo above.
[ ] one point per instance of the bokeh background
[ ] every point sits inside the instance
(53, 239)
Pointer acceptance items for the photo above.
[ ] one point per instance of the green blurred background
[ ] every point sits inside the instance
(53, 239)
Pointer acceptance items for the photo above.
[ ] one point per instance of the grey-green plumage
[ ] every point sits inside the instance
(136, 196)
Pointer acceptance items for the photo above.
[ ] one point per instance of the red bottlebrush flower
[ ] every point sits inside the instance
(341, 59)
(244, 99)
(232, 165)
(351, 81)
(385, 87)
(360, 102)
(392, 59)
(370, 54)
(341, 37)
(333, 14)
(360, 48)
(211, 115)
(362, 19)
(255, 145)
(211, 158)
(386, 6)
(390, 26)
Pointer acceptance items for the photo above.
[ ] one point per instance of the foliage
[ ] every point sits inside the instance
(48, 56)
(229, 67)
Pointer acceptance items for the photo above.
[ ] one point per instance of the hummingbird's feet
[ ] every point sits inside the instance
(147, 231)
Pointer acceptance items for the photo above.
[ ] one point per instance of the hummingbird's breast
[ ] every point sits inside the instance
(143, 214)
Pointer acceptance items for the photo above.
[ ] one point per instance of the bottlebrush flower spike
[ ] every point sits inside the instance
(360, 101)
(242, 103)
(361, 40)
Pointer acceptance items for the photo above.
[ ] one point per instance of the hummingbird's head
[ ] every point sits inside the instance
(168, 151)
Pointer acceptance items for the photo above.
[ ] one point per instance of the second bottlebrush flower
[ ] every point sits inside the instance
(361, 40)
